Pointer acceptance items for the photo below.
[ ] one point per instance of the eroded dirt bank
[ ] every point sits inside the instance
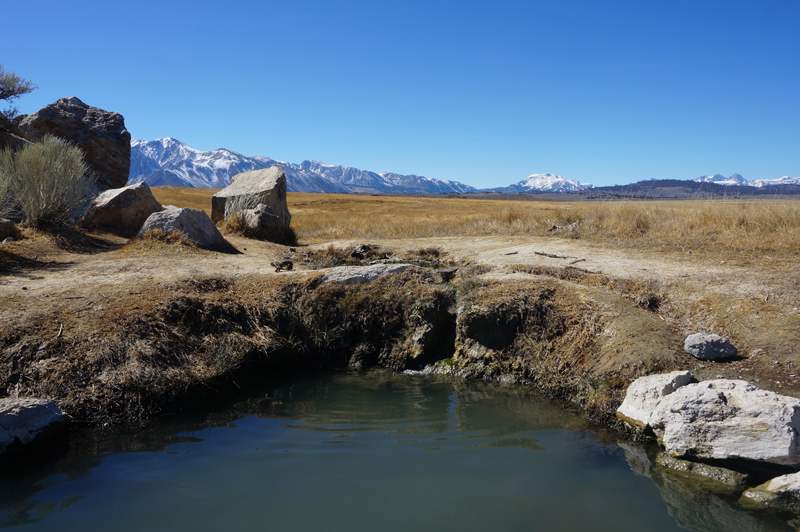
(117, 333)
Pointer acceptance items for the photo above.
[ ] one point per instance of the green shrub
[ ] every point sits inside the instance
(46, 181)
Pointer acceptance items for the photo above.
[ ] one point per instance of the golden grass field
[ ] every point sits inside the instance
(747, 230)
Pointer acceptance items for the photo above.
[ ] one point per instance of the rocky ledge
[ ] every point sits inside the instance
(730, 423)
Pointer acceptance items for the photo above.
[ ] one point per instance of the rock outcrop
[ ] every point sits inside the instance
(716, 419)
(644, 395)
(100, 134)
(724, 419)
(196, 225)
(709, 346)
(362, 274)
(262, 188)
(23, 420)
(122, 210)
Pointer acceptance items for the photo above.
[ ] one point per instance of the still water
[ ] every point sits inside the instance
(356, 451)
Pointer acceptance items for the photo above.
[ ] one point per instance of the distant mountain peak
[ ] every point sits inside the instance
(535, 183)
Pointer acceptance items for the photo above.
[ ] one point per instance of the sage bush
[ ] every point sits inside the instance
(46, 181)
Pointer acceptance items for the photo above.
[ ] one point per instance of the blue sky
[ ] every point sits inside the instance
(484, 93)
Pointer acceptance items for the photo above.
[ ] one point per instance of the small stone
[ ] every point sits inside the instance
(709, 346)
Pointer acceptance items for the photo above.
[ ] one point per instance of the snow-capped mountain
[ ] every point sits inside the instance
(544, 183)
(734, 180)
(170, 162)
(785, 180)
(738, 180)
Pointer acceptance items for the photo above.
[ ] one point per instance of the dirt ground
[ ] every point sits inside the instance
(756, 306)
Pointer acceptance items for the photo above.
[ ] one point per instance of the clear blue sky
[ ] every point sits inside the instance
(481, 92)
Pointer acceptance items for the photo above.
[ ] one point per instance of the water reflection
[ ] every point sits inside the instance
(538, 461)
(692, 506)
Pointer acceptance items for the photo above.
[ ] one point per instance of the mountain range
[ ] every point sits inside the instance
(168, 161)
(737, 180)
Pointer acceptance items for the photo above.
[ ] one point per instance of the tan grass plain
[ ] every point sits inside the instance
(744, 230)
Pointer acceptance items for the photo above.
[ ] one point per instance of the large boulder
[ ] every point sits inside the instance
(247, 190)
(728, 419)
(23, 420)
(709, 346)
(122, 210)
(196, 225)
(100, 134)
(645, 393)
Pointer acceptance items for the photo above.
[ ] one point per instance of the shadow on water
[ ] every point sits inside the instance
(412, 413)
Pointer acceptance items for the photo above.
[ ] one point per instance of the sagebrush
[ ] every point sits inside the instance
(46, 181)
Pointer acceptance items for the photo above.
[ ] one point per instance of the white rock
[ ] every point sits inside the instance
(723, 419)
(196, 225)
(21, 420)
(362, 274)
(645, 393)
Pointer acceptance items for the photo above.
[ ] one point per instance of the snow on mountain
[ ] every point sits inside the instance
(544, 183)
(785, 180)
(719, 179)
(170, 162)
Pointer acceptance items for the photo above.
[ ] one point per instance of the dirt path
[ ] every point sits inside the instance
(754, 305)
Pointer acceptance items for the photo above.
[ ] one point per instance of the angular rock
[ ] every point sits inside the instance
(362, 274)
(196, 225)
(257, 187)
(122, 210)
(645, 393)
(726, 419)
(22, 420)
(709, 346)
(100, 134)
(780, 494)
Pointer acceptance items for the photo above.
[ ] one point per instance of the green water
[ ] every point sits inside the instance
(355, 451)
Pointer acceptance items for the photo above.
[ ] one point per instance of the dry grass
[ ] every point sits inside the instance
(744, 229)
(158, 240)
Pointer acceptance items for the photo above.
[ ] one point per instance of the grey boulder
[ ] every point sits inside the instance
(247, 190)
(122, 210)
(102, 136)
(709, 346)
(196, 225)
(22, 420)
